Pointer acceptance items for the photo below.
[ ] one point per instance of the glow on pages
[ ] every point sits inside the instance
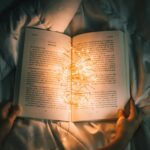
(79, 75)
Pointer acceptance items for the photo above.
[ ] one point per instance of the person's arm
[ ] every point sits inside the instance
(8, 114)
(125, 128)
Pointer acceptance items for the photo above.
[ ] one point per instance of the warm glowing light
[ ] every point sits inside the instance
(79, 75)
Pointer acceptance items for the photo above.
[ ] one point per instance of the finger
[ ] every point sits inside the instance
(120, 120)
(132, 114)
(120, 113)
(5, 110)
(14, 113)
(16, 108)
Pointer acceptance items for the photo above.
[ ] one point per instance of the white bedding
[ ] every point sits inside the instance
(73, 17)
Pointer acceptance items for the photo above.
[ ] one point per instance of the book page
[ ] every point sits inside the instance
(42, 87)
(101, 87)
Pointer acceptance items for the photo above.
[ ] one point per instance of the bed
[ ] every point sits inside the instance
(74, 17)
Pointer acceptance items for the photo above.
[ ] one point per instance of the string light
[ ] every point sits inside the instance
(79, 76)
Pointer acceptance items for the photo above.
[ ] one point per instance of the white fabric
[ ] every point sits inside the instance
(85, 16)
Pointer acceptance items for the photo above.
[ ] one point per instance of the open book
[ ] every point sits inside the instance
(73, 79)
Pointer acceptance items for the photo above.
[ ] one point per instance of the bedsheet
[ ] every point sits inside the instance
(73, 17)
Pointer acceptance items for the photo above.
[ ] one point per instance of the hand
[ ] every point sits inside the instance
(125, 128)
(8, 114)
(127, 125)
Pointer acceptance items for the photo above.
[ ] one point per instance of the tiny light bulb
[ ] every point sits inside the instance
(64, 139)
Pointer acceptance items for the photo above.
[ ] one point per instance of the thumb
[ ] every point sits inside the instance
(14, 113)
(121, 116)
(120, 113)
